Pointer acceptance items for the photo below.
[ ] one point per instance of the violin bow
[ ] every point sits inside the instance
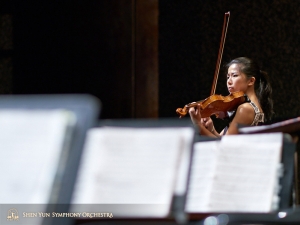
(223, 37)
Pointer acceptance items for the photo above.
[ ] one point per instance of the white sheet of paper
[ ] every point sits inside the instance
(133, 167)
(31, 143)
(237, 174)
(202, 172)
(247, 173)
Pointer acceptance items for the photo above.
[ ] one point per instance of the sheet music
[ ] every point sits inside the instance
(31, 145)
(243, 177)
(202, 172)
(247, 173)
(135, 166)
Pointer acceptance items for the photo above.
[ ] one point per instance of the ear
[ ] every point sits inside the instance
(251, 81)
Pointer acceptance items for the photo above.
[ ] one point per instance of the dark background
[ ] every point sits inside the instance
(190, 32)
(91, 47)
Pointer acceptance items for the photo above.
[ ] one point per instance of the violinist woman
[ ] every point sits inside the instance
(244, 75)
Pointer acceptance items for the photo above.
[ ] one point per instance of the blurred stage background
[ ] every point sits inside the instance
(145, 58)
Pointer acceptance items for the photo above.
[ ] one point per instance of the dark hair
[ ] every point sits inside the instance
(262, 84)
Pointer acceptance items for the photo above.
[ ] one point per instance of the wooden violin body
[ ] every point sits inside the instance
(216, 105)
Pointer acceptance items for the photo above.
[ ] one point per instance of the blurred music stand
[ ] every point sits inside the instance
(86, 109)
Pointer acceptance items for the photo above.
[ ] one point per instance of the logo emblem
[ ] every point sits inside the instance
(12, 215)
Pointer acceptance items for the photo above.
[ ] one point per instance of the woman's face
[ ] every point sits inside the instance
(236, 80)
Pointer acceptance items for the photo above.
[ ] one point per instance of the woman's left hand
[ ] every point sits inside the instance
(208, 123)
(195, 114)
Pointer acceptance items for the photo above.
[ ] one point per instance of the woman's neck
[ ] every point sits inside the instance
(251, 95)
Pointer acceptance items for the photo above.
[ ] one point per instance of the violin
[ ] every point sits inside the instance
(217, 104)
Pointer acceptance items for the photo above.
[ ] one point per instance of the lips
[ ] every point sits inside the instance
(230, 89)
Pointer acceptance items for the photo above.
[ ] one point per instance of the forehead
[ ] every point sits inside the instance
(234, 68)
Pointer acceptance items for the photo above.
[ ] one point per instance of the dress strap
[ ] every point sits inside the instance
(259, 116)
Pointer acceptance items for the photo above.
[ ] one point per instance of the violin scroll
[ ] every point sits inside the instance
(182, 111)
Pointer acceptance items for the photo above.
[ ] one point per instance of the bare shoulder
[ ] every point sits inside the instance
(245, 107)
(244, 114)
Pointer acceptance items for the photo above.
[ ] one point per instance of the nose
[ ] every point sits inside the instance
(229, 81)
